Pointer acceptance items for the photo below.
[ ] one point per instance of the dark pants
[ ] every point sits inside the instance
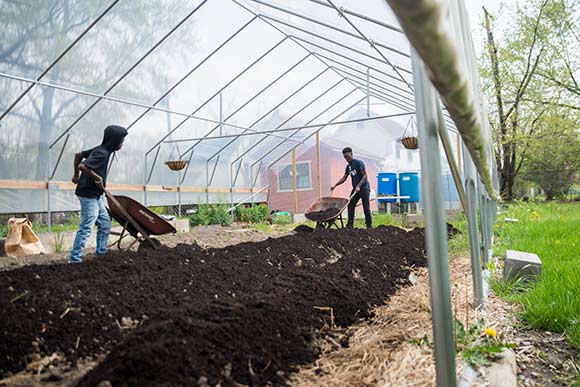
(363, 194)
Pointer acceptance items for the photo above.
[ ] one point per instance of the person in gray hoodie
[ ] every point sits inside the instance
(90, 176)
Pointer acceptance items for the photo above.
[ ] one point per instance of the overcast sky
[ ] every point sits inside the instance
(474, 7)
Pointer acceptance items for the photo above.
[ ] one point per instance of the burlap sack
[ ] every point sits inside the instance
(21, 240)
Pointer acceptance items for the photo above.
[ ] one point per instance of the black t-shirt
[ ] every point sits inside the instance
(356, 169)
(97, 160)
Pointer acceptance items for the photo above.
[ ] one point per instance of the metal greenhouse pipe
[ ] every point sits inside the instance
(473, 229)
(58, 58)
(190, 72)
(341, 12)
(288, 97)
(246, 69)
(294, 37)
(372, 80)
(363, 17)
(314, 133)
(113, 99)
(329, 40)
(435, 227)
(423, 23)
(128, 71)
(248, 101)
(297, 130)
(288, 129)
(330, 26)
(376, 88)
(443, 135)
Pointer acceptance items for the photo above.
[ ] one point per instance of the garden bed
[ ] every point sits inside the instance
(249, 313)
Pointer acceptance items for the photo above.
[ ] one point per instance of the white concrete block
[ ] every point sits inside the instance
(521, 264)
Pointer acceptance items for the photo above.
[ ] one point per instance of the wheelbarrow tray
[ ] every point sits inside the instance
(137, 221)
(325, 204)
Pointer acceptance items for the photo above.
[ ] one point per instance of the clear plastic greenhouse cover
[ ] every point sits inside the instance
(194, 80)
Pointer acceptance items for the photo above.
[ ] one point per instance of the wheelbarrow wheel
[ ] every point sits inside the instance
(145, 245)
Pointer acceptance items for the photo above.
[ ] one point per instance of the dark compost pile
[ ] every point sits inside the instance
(319, 216)
(248, 313)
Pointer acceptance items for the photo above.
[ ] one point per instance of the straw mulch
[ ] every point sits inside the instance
(382, 352)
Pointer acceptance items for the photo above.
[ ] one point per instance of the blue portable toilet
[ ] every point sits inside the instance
(386, 185)
(409, 186)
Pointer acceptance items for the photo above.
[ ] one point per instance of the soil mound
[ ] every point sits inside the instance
(248, 313)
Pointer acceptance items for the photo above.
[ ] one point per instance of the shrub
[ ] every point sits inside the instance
(255, 214)
(282, 219)
(211, 214)
(3, 230)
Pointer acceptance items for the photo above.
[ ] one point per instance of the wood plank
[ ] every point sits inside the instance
(22, 184)
(69, 186)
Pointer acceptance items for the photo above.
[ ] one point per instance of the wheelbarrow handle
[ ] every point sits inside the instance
(129, 218)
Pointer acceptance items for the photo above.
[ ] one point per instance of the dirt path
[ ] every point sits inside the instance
(248, 313)
(204, 236)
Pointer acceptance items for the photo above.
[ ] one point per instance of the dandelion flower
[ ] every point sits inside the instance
(490, 332)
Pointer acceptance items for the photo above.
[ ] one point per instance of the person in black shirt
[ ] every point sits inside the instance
(360, 187)
(90, 176)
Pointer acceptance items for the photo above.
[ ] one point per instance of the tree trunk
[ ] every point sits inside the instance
(45, 133)
(47, 119)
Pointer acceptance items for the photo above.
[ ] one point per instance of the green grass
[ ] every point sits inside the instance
(459, 243)
(552, 231)
(378, 220)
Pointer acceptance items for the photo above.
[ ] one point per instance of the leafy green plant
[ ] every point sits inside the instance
(282, 219)
(58, 243)
(255, 214)
(207, 214)
(159, 210)
(479, 346)
(3, 230)
(263, 227)
(506, 288)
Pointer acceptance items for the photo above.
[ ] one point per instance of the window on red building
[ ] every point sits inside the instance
(286, 181)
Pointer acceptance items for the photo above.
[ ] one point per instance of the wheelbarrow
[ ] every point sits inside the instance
(138, 221)
(326, 211)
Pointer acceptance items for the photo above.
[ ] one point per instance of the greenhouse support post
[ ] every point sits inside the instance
(318, 169)
(435, 227)
(474, 240)
(446, 143)
(145, 179)
(48, 209)
(294, 188)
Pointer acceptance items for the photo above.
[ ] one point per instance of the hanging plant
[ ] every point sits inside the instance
(410, 141)
(175, 165)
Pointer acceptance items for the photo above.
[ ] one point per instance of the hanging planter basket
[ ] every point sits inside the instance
(176, 165)
(410, 141)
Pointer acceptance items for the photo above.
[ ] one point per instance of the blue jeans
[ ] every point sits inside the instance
(93, 212)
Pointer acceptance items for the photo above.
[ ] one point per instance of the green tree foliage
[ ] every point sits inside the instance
(529, 79)
(554, 158)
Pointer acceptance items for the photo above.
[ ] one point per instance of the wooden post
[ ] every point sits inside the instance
(294, 181)
(318, 172)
